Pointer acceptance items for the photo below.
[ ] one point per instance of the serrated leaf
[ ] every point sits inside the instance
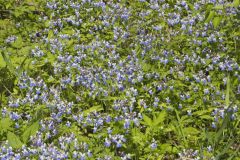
(137, 136)
(30, 131)
(147, 120)
(160, 118)
(14, 140)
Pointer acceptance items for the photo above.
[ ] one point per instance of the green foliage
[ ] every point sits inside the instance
(176, 86)
(5, 125)
(30, 131)
(93, 109)
(13, 140)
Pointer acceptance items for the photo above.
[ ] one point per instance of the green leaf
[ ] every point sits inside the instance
(216, 21)
(18, 43)
(9, 63)
(210, 16)
(236, 3)
(5, 124)
(147, 120)
(166, 147)
(190, 131)
(224, 125)
(160, 118)
(30, 131)
(50, 34)
(47, 23)
(227, 99)
(92, 109)
(2, 62)
(200, 112)
(218, 7)
(14, 140)
(25, 50)
(137, 136)
(207, 117)
(226, 148)
(179, 126)
(146, 67)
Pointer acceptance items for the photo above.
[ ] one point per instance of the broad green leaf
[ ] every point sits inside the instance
(200, 112)
(21, 67)
(9, 63)
(5, 124)
(218, 7)
(18, 43)
(111, 98)
(146, 67)
(210, 16)
(92, 109)
(137, 136)
(236, 3)
(25, 50)
(68, 31)
(160, 118)
(147, 120)
(14, 140)
(165, 147)
(2, 62)
(18, 12)
(30, 131)
(216, 21)
(208, 117)
(190, 131)
(50, 34)
(46, 23)
(51, 79)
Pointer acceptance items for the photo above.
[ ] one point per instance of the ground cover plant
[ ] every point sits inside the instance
(119, 79)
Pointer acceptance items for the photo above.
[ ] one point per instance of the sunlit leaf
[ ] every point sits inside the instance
(14, 140)
(5, 124)
(210, 16)
(147, 120)
(30, 131)
(92, 109)
(160, 118)
(216, 21)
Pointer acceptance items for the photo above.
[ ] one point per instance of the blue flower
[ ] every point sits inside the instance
(127, 124)
(214, 125)
(119, 144)
(107, 142)
(153, 144)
